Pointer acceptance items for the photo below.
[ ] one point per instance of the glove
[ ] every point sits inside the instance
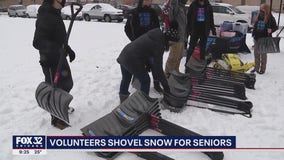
(214, 32)
(70, 53)
(166, 89)
(148, 68)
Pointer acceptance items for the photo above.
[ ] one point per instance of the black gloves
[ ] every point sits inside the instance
(70, 53)
(166, 88)
(214, 32)
(148, 67)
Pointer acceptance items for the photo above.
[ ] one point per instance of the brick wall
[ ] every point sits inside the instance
(275, 5)
(131, 2)
(7, 3)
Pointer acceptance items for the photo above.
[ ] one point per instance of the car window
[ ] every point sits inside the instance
(221, 9)
(98, 7)
(20, 7)
(227, 10)
(215, 9)
(236, 10)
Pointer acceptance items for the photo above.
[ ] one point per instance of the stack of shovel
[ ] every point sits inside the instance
(186, 89)
(131, 118)
(135, 115)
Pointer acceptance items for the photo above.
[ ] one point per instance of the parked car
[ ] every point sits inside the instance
(125, 9)
(32, 10)
(251, 11)
(226, 12)
(101, 11)
(248, 9)
(66, 13)
(3, 9)
(17, 11)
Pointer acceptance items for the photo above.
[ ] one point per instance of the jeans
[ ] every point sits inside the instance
(175, 56)
(192, 44)
(260, 60)
(143, 78)
(65, 81)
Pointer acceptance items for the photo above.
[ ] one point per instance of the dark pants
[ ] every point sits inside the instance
(193, 42)
(65, 80)
(143, 78)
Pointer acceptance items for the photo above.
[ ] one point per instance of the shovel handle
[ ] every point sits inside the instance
(56, 78)
(73, 17)
(62, 49)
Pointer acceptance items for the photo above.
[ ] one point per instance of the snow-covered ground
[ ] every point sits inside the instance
(96, 81)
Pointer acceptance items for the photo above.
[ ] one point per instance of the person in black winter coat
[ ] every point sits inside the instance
(263, 27)
(149, 48)
(49, 37)
(199, 23)
(141, 20)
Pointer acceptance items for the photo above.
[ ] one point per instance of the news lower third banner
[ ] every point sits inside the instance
(38, 144)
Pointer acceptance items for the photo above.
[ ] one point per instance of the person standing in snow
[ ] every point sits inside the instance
(178, 13)
(263, 27)
(49, 37)
(199, 23)
(147, 49)
(141, 20)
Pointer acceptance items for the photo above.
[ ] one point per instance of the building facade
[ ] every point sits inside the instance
(7, 3)
(275, 6)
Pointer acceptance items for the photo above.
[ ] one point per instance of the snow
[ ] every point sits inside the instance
(96, 81)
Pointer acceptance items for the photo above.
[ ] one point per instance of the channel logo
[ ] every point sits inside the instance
(29, 142)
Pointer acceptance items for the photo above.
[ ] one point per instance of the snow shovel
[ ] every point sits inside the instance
(50, 98)
(269, 44)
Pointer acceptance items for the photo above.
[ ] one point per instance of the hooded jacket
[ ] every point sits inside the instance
(50, 34)
(192, 25)
(137, 54)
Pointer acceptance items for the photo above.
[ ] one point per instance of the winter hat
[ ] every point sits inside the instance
(172, 33)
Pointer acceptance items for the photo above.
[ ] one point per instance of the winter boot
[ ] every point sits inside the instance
(58, 123)
(157, 87)
(123, 97)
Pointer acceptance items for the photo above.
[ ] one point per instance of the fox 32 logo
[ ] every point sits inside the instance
(29, 142)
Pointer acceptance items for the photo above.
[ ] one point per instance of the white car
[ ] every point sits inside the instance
(102, 11)
(248, 9)
(32, 10)
(17, 11)
(226, 12)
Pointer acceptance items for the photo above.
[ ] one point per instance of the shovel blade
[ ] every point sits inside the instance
(54, 100)
(268, 45)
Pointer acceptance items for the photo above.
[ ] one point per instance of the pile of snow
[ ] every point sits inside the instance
(96, 81)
